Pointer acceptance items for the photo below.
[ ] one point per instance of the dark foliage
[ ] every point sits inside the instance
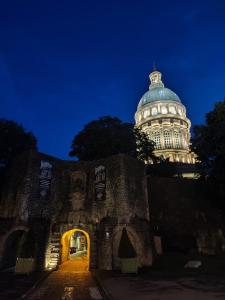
(143, 146)
(126, 249)
(13, 141)
(209, 144)
(109, 136)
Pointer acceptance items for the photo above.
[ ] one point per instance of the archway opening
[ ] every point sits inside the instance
(12, 248)
(75, 251)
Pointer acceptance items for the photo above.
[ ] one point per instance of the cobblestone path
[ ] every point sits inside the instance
(67, 284)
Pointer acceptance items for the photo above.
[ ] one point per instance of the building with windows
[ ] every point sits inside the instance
(162, 116)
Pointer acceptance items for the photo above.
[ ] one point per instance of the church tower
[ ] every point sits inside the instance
(162, 116)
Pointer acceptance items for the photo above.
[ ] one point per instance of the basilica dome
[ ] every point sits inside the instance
(158, 94)
(161, 114)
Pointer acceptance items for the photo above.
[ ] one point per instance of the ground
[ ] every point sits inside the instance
(13, 286)
(70, 281)
(187, 288)
(168, 280)
(67, 285)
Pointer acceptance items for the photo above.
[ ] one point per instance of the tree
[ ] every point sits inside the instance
(144, 147)
(13, 141)
(109, 136)
(209, 143)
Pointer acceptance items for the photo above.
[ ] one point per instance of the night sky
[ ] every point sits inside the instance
(64, 63)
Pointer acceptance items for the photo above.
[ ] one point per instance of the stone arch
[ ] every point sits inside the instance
(171, 157)
(65, 248)
(10, 246)
(135, 240)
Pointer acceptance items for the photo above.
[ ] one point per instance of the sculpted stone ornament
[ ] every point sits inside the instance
(45, 178)
(24, 208)
(77, 200)
(100, 185)
(77, 190)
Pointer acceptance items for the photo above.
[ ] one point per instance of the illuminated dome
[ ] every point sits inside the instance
(161, 114)
(158, 94)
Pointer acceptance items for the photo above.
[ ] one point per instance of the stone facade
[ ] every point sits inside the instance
(46, 197)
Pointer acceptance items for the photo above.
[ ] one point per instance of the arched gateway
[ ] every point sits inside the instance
(12, 245)
(75, 250)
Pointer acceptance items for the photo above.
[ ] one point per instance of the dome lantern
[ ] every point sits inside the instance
(155, 78)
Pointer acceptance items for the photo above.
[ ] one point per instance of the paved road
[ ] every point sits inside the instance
(12, 286)
(136, 288)
(67, 284)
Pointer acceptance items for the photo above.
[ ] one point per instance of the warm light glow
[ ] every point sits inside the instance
(65, 243)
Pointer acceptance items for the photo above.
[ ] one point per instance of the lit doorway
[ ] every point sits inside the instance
(75, 252)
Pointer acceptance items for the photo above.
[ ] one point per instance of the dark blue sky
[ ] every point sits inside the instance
(65, 63)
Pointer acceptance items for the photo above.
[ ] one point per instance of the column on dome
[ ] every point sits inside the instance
(183, 139)
(162, 144)
(173, 141)
(184, 136)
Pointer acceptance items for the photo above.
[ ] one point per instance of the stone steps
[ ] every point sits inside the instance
(54, 250)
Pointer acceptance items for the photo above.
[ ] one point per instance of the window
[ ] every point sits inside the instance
(154, 111)
(180, 111)
(177, 139)
(167, 139)
(139, 117)
(164, 110)
(172, 110)
(156, 139)
(146, 113)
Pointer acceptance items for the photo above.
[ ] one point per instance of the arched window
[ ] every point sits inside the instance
(179, 111)
(164, 110)
(154, 111)
(156, 139)
(172, 110)
(177, 139)
(139, 117)
(167, 139)
(146, 113)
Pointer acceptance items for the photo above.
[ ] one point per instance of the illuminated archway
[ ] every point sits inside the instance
(75, 263)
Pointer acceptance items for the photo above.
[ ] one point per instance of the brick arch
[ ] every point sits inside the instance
(8, 233)
(135, 240)
(10, 243)
(91, 232)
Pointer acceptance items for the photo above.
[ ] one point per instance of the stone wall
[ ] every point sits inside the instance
(183, 215)
(48, 197)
